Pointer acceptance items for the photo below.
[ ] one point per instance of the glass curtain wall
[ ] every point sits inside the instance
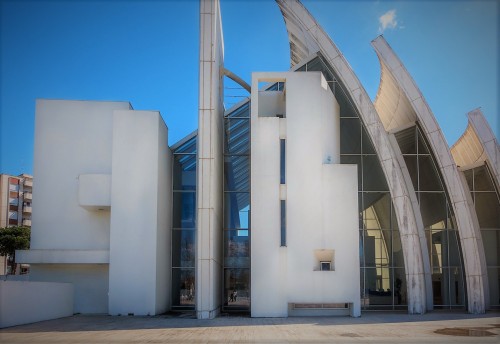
(440, 227)
(236, 283)
(383, 281)
(487, 203)
(184, 225)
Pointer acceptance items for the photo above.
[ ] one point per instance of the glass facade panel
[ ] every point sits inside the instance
(184, 171)
(487, 209)
(494, 282)
(433, 207)
(427, 174)
(373, 176)
(237, 249)
(236, 210)
(237, 289)
(350, 138)
(184, 214)
(237, 173)
(237, 136)
(183, 288)
(183, 248)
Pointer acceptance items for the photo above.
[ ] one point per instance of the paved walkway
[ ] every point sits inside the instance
(372, 327)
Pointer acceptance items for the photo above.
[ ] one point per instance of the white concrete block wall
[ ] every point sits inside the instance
(134, 272)
(71, 138)
(27, 302)
(321, 201)
(90, 283)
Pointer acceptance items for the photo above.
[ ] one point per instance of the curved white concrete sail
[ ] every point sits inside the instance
(478, 145)
(307, 37)
(396, 76)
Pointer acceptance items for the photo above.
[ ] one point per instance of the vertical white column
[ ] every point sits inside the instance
(209, 167)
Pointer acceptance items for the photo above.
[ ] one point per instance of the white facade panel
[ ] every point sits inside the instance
(135, 215)
(321, 201)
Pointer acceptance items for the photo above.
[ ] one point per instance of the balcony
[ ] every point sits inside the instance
(27, 222)
(28, 183)
(27, 210)
(13, 207)
(28, 196)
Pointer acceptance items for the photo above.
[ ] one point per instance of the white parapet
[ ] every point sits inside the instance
(25, 302)
(94, 191)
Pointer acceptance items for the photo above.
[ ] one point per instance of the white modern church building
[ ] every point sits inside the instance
(306, 198)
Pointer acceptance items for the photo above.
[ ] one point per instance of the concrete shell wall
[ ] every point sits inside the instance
(467, 222)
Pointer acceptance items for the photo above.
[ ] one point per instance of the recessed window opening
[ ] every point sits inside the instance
(325, 266)
(282, 161)
(283, 223)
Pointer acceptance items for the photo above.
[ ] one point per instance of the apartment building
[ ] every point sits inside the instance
(15, 205)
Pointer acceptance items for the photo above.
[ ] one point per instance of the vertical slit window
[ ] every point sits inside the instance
(283, 223)
(282, 161)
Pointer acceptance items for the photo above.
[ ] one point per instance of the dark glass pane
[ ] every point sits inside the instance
(350, 136)
(379, 286)
(237, 139)
(454, 255)
(361, 248)
(433, 208)
(423, 148)
(373, 176)
(183, 283)
(453, 280)
(183, 248)
(406, 141)
(237, 173)
(494, 282)
(236, 209)
(242, 111)
(400, 287)
(482, 179)
(369, 250)
(187, 147)
(184, 212)
(436, 249)
(366, 142)
(491, 243)
(412, 166)
(282, 161)
(487, 209)
(237, 288)
(428, 176)
(237, 249)
(377, 210)
(468, 177)
(354, 160)
(184, 172)
(283, 223)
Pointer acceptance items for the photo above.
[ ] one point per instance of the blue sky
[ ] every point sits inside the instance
(146, 52)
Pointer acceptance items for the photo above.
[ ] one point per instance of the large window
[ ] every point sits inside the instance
(443, 242)
(487, 203)
(383, 281)
(236, 250)
(184, 225)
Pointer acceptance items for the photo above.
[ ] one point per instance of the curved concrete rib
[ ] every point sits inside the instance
(478, 145)
(307, 37)
(467, 222)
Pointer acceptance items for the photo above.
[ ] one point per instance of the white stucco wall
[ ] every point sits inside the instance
(321, 201)
(27, 302)
(103, 221)
(137, 220)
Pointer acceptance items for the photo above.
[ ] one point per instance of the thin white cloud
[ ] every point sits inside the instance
(387, 21)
